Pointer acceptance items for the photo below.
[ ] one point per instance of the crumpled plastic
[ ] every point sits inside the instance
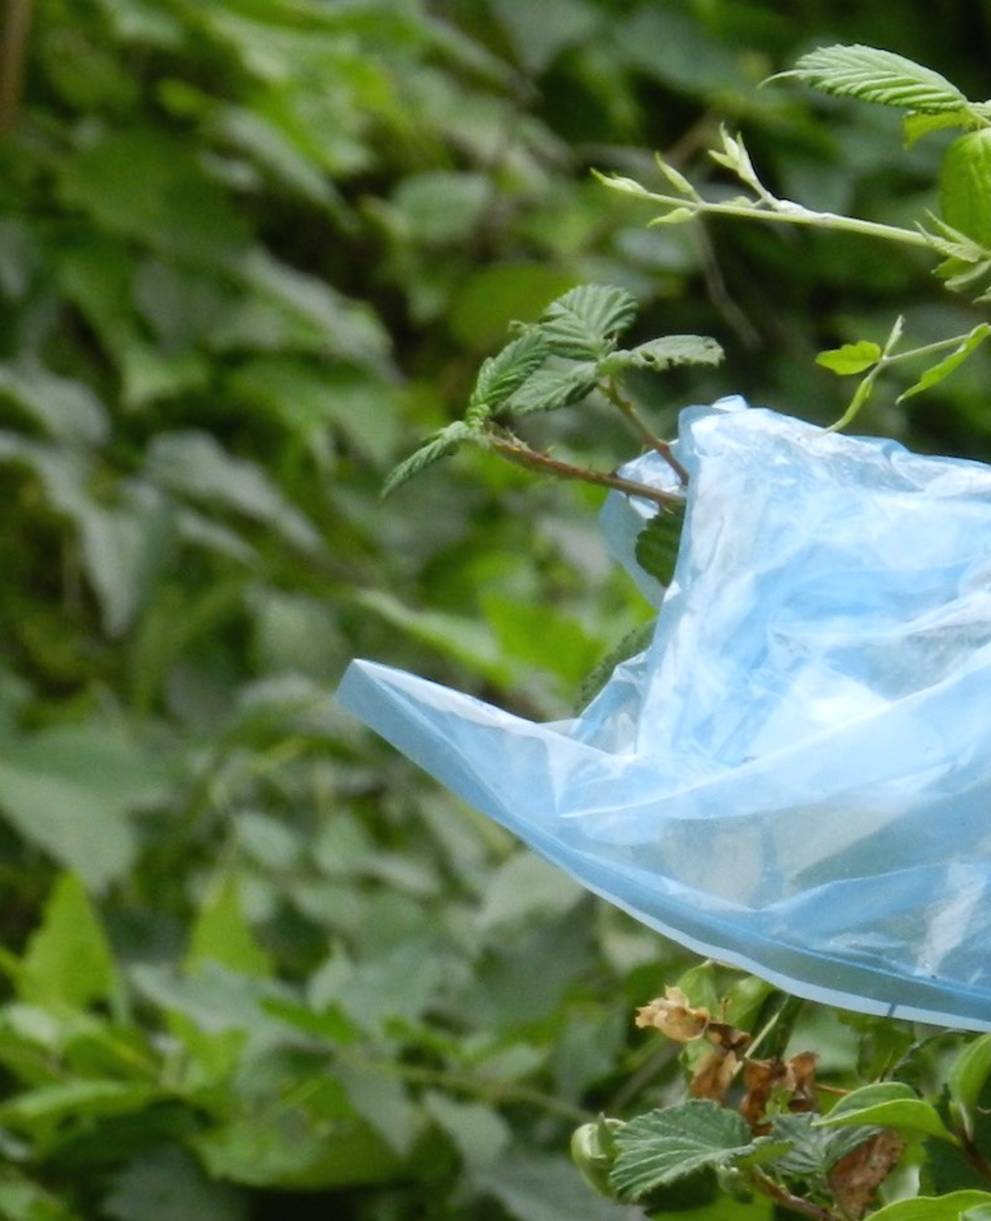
(795, 776)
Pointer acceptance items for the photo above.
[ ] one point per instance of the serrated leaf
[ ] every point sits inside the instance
(934, 1208)
(549, 389)
(668, 352)
(632, 643)
(888, 1104)
(441, 445)
(813, 1151)
(851, 357)
(968, 1076)
(657, 545)
(584, 322)
(501, 375)
(917, 124)
(663, 1146)
(936, 373)
(874, 75)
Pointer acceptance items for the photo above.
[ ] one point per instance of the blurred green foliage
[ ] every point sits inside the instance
(250, 252)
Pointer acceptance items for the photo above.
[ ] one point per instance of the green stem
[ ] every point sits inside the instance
(784, 212)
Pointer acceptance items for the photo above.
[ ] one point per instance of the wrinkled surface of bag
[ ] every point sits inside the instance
(795, 777)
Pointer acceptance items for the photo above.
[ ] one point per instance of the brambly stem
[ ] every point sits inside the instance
(642, 429)
(516, 451)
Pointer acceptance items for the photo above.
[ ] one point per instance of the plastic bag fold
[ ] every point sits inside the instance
(795, 776)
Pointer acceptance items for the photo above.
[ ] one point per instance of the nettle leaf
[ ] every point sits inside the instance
(814, 1151)
(888, 1104)
(663, 1146)
(585, 321)
(440, 445)
(873, 75)
(657, 544)
(851, 357)
(549, 389)
(633, 642)
(952, 1207)
(504, 373)
(936, 373)
(968, 1076)
(665, 353)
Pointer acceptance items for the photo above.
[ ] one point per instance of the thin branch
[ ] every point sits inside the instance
(13, 49)
(781, 1195)
(642, 429)
(514, 450)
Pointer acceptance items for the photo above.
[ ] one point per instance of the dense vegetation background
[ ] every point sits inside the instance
(251, 251)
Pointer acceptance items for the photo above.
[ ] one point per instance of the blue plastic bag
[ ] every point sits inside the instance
(795, 777)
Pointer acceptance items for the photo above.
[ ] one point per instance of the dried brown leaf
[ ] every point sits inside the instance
(855, 1178)
(714, 1075)
(674, 1016)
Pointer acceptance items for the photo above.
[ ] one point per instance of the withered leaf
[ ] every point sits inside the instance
(674, 1016)
(855, 1177)
(714, 1075)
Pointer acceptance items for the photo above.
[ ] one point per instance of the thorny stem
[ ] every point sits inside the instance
(781, 1195)
(516, 451)
(643, 431)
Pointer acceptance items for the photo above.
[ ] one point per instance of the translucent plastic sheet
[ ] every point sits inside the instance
(795, 777)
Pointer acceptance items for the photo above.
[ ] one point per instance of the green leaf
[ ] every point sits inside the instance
(935, 1208)
(75, 1099)
(70, 791)
(535, 1188)
(888, 1104)
(477, 1131)
(663, 1146)
(551, 388)
(968, 1076)
(917, 124)
(504, 373)
(64, 408)
(196, 465)
(222, 934)
(658, 542)
(635, 641)
(965, 186)
(585, 321)
(851, 357)
(942, 369)
(668, 352)
(813, 1151)
(981, 1213)
(874, 75)
(68, 958)
(167, 1184)
(441, 445)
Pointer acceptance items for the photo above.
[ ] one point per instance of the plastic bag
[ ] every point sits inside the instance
(795, 777)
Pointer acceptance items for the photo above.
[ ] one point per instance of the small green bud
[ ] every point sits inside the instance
(593, 1151)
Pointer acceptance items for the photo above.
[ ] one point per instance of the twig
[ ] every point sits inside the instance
(514, 450)
(640, 427)
(13, 48)
(781, 1195)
